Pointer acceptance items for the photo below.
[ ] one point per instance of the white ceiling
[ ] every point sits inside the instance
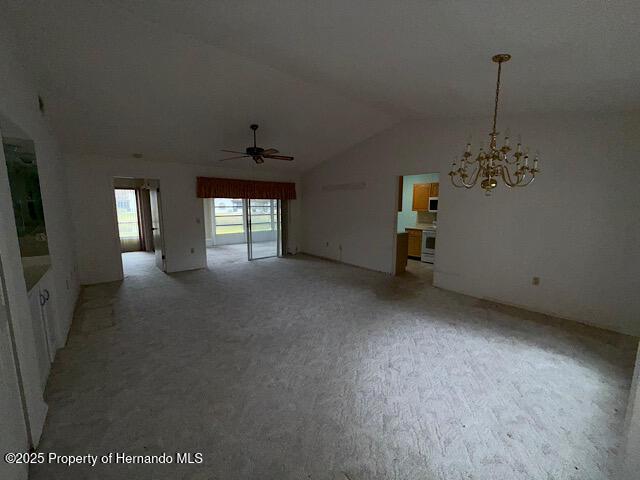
(181, 79)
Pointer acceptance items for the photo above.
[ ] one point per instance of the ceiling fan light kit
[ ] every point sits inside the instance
(257, 153)
(497, 163)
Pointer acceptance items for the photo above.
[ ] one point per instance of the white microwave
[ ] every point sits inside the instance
(433, 204)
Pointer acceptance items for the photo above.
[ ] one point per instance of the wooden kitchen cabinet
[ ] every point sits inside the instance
(414, 248)
(421, 193)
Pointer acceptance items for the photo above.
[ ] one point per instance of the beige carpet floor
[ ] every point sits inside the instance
(300, 368)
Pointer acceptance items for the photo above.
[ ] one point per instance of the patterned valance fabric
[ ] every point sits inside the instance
(211, 187)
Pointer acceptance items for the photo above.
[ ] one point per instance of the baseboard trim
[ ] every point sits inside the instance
(334, 260)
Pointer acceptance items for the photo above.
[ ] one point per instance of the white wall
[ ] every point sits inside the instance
(19, 104)
(91, 192)
(575, 227)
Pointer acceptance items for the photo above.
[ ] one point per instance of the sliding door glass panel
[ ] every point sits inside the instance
(263, 220)
(228, 221)
(128, 226)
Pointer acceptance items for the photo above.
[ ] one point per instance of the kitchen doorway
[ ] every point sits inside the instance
(416, 224)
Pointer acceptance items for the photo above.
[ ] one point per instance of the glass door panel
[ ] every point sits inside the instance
(229, 221)
(128, 221)
(263, 228)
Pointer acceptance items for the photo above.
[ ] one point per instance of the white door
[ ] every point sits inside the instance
(12, 419)
(156, 225)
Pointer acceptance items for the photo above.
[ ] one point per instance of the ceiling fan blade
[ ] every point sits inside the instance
(278, 157)
(233, 158)
(233, 151)
(270, 151)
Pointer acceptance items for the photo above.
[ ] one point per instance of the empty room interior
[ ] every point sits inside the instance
(342, 240)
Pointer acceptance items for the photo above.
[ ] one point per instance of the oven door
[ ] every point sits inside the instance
(428, 246)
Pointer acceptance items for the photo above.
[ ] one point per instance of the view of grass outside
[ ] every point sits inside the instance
(127, 212)
(263, 215)
(228, 214)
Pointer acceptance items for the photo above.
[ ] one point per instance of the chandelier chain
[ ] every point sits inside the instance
(495, 108)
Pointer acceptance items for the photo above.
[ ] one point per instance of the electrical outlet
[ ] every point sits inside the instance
(535, 281)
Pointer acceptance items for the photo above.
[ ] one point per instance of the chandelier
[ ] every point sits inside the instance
(496, 163)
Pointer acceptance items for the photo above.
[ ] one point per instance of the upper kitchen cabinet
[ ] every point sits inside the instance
(421, 194)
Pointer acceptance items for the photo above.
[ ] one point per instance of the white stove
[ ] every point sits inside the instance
(428, 249)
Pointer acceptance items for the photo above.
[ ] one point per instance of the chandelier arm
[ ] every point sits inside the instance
(454, 183)
(533, 177)
(506, 177)
(520, 182)
(476, 173)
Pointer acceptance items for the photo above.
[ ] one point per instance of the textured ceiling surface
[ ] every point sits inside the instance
(182, 79)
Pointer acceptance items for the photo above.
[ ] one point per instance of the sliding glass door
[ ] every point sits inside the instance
(263, 228)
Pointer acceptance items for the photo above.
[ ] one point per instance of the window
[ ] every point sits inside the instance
(228, 215)
(127, 212)
(263, 215)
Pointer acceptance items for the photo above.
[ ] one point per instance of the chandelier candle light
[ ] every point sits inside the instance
(513, 169)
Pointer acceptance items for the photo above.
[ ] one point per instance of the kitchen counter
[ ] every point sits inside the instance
(422, 226)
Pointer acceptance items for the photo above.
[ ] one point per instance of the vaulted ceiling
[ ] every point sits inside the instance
(180, 80)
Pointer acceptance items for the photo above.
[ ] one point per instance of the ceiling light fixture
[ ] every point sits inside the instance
(497, 162)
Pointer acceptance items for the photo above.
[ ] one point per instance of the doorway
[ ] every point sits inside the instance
(140, 227)
(416, 224)
(240, 230)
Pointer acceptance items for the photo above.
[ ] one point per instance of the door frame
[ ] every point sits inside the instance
(161, 253)
(397, 201)
(146, 183)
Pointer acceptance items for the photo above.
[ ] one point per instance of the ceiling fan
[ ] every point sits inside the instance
(258, 154)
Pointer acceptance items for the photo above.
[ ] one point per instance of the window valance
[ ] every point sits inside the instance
(211, 187)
